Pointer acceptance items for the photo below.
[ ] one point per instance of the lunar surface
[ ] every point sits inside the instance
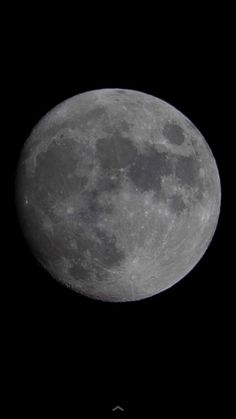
(118, 194)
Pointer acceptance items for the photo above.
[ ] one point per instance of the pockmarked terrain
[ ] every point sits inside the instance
(118, 194)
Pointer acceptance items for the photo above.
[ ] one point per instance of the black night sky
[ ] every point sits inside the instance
(76, 356)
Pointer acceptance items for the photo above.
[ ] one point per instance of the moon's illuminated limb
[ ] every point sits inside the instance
(118, 194)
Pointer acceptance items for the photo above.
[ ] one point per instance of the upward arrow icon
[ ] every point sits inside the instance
(117, 408)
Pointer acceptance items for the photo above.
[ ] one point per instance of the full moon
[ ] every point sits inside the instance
(118, 194)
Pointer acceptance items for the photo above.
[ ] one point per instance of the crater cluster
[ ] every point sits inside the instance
(109, 187)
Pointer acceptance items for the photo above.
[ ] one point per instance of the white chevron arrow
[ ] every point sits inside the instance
(117, 408)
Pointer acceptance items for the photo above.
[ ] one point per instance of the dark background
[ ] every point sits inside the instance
(71, 355)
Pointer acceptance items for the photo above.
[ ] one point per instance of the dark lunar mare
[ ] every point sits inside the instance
(174, 133)
(52, 181)
(147, 169)
(177, 204)
(187, 170)
(68, 181)
(100, 259)
(115, 151)
(54, 178)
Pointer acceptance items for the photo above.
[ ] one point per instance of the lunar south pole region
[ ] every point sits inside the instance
(118, 194)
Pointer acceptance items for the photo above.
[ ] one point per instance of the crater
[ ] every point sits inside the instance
(174, 133)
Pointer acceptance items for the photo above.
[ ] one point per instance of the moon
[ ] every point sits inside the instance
(117, 194)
